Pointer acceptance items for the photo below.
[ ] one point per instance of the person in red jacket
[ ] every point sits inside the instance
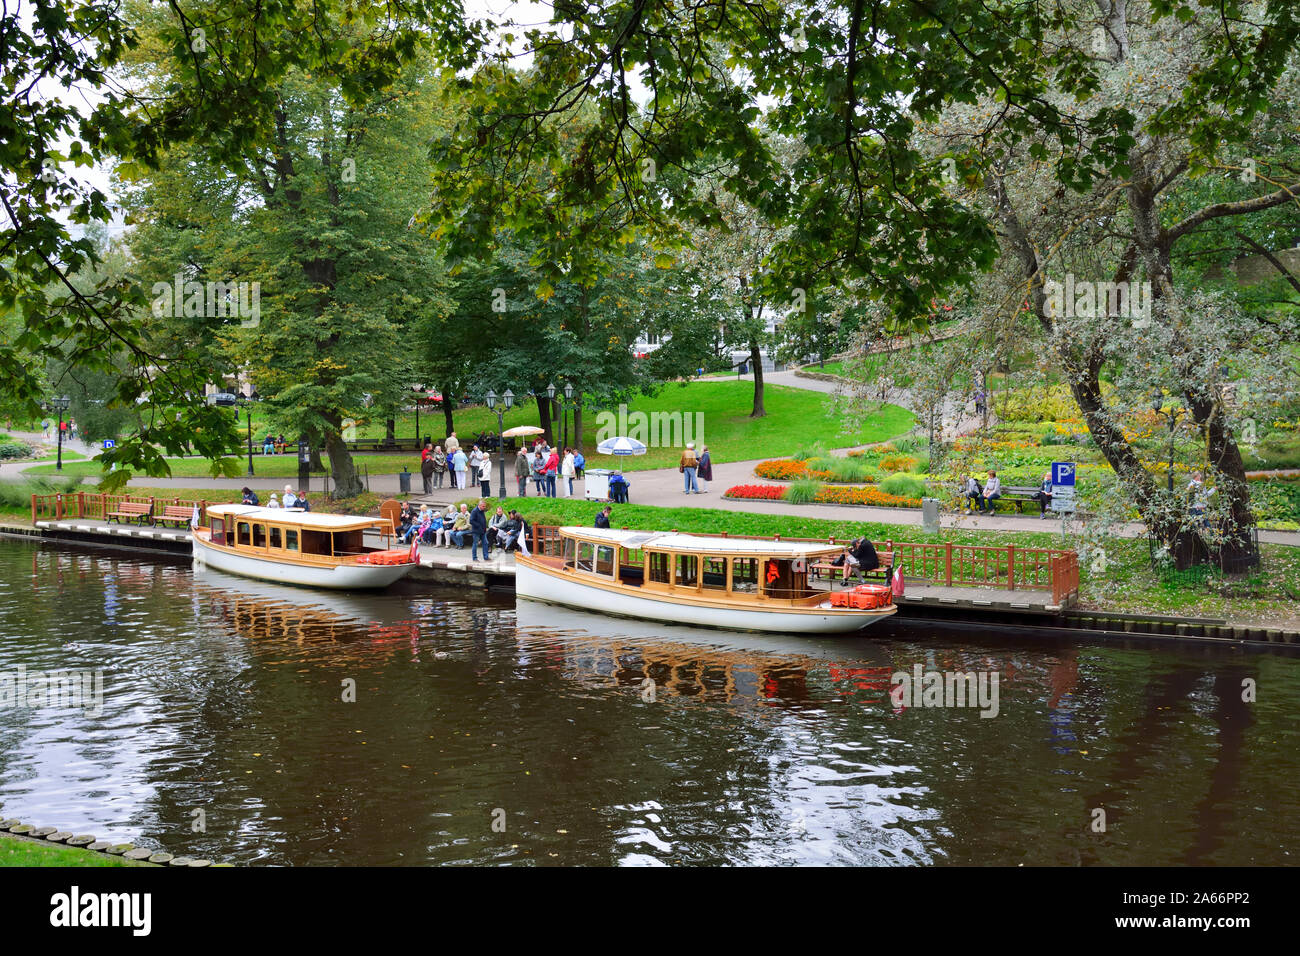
(552, 469)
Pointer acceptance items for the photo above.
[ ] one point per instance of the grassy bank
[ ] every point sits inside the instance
(15, 851)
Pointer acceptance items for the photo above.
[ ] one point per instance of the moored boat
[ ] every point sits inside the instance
(699, 580)
(291, 546)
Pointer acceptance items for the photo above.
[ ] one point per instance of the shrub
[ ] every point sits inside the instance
(803, 454)
(898, 463)
(802, 492)
(905, 485)
(910, 444)
(17, 495)
(15, 449)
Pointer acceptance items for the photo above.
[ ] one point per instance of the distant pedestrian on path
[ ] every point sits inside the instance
(426, 469)
(461, 463)
(687, 466)
(568, 472)
(704, 473)
(439, 459)
(523, 471)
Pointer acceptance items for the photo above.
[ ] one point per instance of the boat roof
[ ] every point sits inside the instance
(306, 519)
(696, 543)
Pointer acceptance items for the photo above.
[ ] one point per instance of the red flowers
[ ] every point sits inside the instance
(827, 494)
(765, 492)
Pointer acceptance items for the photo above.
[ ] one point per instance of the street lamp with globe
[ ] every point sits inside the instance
(507, 401)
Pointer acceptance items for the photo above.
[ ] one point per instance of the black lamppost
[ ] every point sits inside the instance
(507, 401)
(247, 402)
(61, 404)
(565, 408)
(1158, 406)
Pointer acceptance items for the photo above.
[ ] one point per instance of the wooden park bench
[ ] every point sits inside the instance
(131, 510)
(181, 514)
(884, 571)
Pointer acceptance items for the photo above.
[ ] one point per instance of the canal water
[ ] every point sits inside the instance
(256, 724)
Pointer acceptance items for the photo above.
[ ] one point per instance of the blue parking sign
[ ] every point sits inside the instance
(109, 443)
(1063, 473)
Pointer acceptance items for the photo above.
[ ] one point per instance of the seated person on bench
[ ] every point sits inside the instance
(861, 557)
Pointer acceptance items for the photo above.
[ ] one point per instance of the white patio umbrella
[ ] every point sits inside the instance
(621, 446)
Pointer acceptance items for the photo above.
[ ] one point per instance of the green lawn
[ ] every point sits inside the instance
(18, 852)
(716, 413)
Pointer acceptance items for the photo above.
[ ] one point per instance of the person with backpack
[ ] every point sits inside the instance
(974, 491)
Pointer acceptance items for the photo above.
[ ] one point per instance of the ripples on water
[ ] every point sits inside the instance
(226, 696)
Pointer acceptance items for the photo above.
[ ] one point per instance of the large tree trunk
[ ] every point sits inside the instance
(756, 363)
(544, 418)
(448, 408)
(577, 427)
(390, 431)
(347, 483)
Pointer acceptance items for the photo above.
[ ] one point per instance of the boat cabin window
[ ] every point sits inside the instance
(631, 565)
(715, 573)
(349, 542)
(687, 571)
(243, 533)
(291, 539)
(744, 575)
(660, 567)
(218, 531)
(781, 580)
(586, 556)
(275, 537)
(605, 560)
(259, 536)
(570, 552)
(316, 542)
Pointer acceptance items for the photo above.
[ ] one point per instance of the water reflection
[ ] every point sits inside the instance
(598, 740)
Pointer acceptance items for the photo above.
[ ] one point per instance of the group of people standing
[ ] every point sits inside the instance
(437, 464)
(550, 469)
(697, 471)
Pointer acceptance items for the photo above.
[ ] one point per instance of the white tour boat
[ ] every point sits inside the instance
(702, 581)
(292, 546)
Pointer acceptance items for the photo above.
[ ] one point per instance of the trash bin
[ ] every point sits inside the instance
(930, 515)
(404, 482)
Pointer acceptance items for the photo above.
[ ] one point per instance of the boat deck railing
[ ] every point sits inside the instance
(97, 506)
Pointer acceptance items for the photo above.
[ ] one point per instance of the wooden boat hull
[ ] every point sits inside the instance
(345, 577)
(552, 586)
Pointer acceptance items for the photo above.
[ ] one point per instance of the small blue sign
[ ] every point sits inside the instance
(1063, 473)
(109, 443)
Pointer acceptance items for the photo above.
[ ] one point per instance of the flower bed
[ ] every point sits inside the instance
(780, 471)
(763, 492)
(827, 495)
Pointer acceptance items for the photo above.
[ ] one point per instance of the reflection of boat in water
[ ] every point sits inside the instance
(731, 583)
(289, 546)
(693, 661)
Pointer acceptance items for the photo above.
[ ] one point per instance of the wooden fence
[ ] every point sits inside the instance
(1008, 567)
(95, 506)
